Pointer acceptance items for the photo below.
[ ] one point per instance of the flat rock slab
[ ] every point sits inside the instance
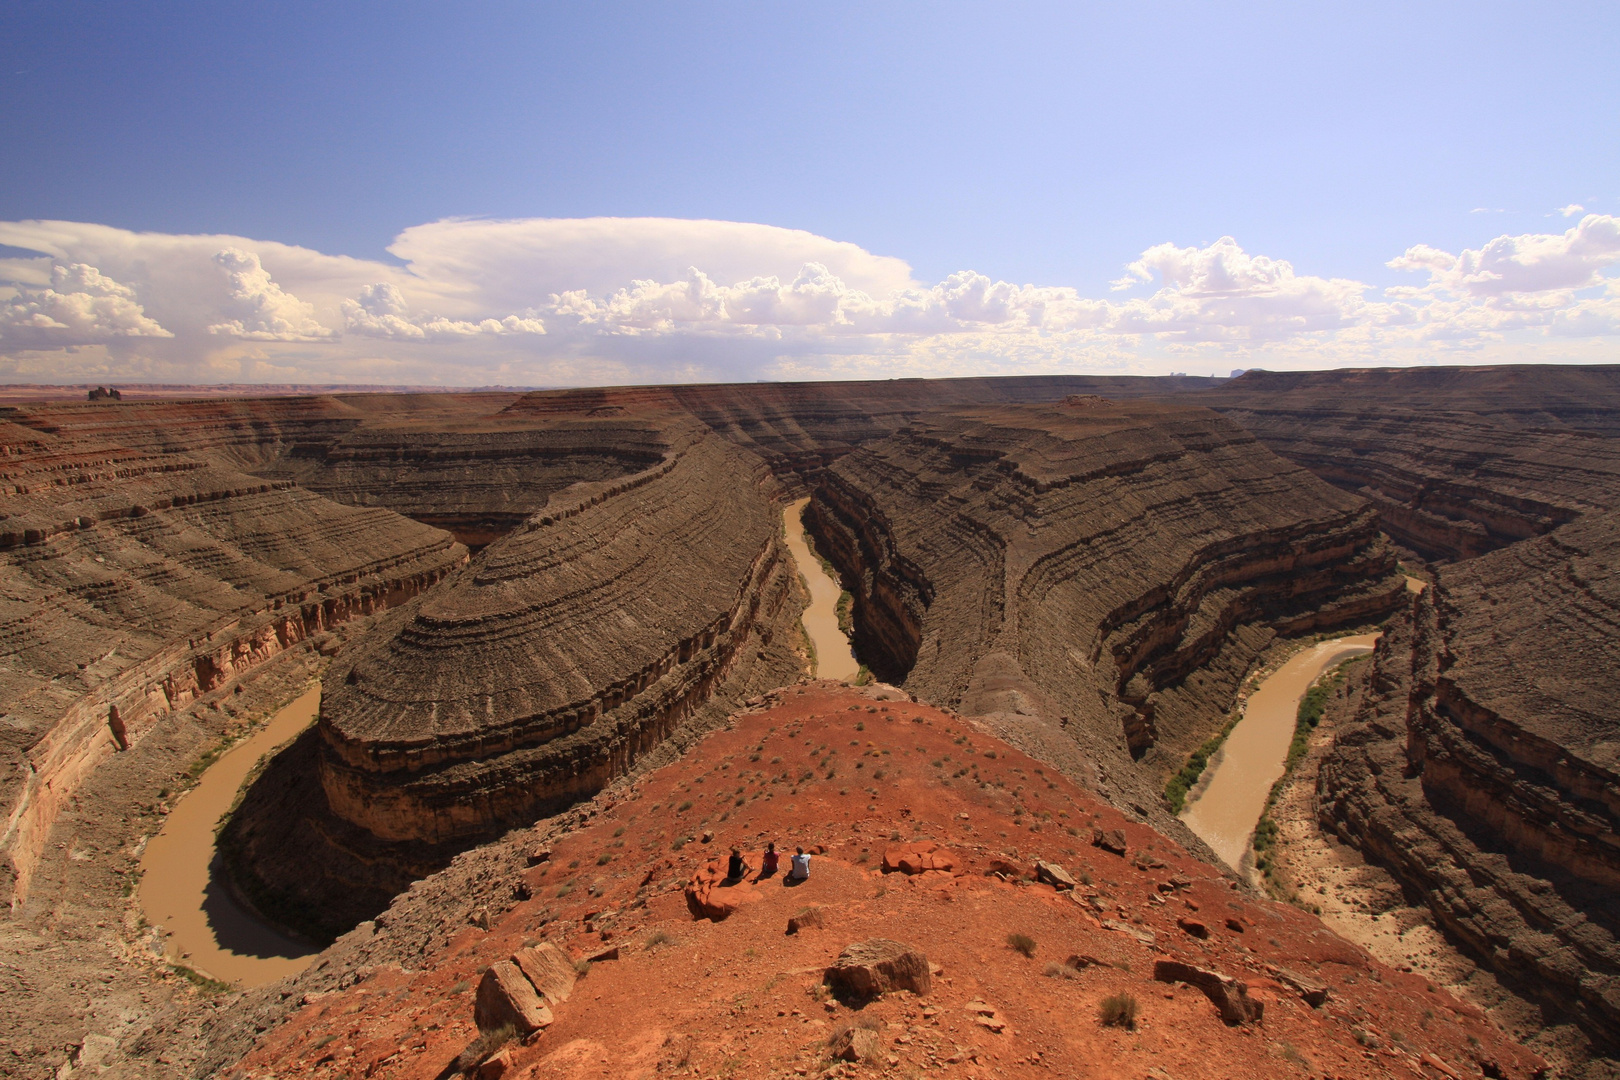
(1230, 996)
(1054, 875)
(709, 897)
(549, 970)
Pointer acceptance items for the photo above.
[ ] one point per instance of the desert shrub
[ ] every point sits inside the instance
(1118, 1010)
(656, 938)
(1022, 943)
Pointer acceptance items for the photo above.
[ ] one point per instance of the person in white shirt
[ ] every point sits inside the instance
(799, 866)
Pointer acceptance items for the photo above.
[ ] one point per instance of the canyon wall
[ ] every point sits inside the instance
(620, 612)
(1458, 461)
(1110, 570)
(138, 576)
(1484, 772)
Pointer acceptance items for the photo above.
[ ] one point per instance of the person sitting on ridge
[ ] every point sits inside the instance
(769, 861)
(799, 866)
(736, 868)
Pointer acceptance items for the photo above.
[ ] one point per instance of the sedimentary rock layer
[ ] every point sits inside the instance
(799, 427)
(138, 576)
(1109, 568)
(1458, 461)
(566, 652)
(1483, 769)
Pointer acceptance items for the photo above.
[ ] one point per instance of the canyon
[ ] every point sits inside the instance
(534, 607)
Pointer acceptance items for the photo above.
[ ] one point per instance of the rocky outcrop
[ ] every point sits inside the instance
(139, 576)
(570, 649)
(1111, 569)
(1483, 769)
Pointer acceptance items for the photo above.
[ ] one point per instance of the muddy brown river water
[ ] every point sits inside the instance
(1253, 756)
(834, 660)
(203, 926)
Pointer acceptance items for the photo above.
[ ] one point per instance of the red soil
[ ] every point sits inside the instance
(740, 997)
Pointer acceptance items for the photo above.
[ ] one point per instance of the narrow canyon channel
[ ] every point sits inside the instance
(834, 660)
(203, 926)
(1253, 756)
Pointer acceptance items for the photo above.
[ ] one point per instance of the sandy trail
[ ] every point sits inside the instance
(204, 927)
(834, 660)
(1252, 758)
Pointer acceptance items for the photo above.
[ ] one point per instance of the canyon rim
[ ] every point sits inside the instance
(563, 673)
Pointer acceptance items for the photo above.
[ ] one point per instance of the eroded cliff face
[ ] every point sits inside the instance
(1458, 461)
(138, 576)
(1483, 772)
(1107, 569)
(561, 657)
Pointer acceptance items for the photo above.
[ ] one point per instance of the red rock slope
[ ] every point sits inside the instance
(854, 776)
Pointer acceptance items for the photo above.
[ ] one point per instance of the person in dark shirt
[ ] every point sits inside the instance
(736, 868)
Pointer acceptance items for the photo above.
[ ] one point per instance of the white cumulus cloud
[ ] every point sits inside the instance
(81, 306)
(559, 301)
(381, 311)
(1529, 263)
(264, 311)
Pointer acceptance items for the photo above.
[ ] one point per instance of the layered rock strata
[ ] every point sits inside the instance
(1483, 767)
(800, 427)
(1458, 461)
(136, 579)
(555, 662)
(1108, 568)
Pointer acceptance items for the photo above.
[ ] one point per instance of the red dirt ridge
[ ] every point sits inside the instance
(691, 982)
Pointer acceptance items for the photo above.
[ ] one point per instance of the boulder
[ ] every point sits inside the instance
(549, 970)
(506, 998)
(1193, 927)
(1230, 996)
(854, 1044)
(1111, 840)
(917, 858)
(869, 968)
(1054, 875)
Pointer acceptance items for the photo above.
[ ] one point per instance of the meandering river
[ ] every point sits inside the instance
(834, 660)
(1253, 756)
(203, 926)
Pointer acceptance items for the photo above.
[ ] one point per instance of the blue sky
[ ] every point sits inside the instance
(1031, 145)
